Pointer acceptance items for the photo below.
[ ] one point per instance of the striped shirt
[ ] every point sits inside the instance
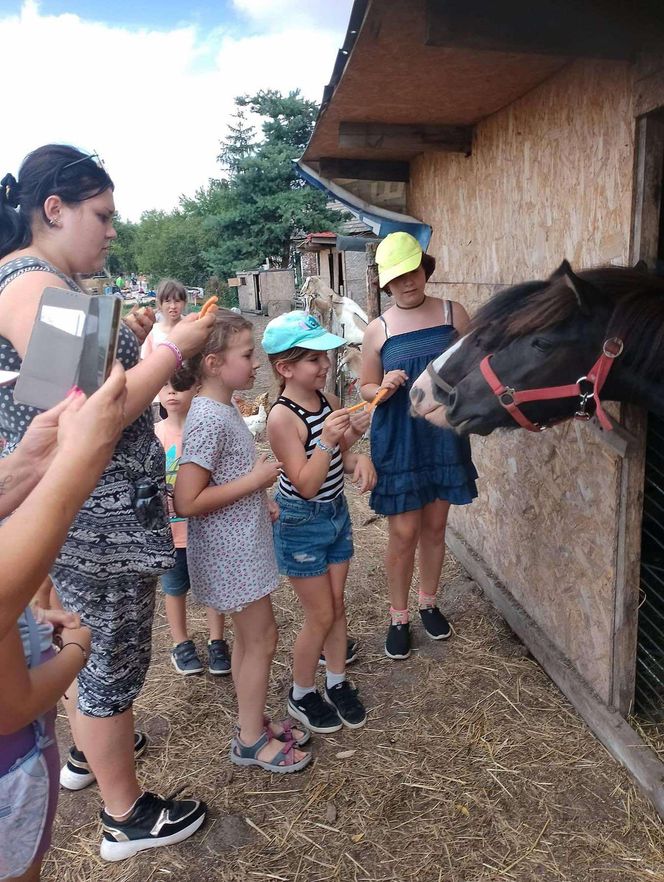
(333, 485)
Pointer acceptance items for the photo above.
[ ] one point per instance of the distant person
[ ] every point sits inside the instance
(171, 303)
(175, 400)
(56, 221)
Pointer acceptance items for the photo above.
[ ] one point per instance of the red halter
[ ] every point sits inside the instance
(585, 388)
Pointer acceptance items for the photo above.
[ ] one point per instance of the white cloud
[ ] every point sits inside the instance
(154, 104)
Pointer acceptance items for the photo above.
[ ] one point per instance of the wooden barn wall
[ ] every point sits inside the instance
(549, 177)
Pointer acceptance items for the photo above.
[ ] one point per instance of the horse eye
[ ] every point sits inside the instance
(542, 344)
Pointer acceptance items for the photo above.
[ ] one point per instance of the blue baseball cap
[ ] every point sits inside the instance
(298, 328)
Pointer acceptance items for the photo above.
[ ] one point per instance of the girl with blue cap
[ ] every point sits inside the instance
(313, 537)
(422, 469)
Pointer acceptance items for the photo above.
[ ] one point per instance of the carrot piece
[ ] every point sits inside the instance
(356, 407)
(378, 397)
(207, 306)
(373, 404)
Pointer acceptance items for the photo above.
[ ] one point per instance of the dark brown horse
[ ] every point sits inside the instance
(573, 340)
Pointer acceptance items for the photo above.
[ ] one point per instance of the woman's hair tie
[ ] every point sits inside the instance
(9, 191)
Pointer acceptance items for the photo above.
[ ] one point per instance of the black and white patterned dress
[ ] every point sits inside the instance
(106, 540)
(107, 569)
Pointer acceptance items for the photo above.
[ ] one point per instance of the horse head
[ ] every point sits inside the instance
(542, 335)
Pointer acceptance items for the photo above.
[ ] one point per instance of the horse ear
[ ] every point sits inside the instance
(583, 291)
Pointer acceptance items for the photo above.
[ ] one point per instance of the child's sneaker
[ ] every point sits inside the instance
(185, 658)
(343, 698)
(219, 658)
(435, 623)
(397, 643)
(352, 648)
(316, 715)
(76, 772)
(153, 822)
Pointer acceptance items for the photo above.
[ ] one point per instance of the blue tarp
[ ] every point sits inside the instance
(379, 220)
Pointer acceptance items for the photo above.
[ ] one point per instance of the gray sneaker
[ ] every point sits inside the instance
(185, 658)
(219, 657)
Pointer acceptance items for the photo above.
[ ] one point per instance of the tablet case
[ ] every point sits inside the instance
(73, 343)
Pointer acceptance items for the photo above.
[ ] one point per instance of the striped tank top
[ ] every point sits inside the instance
(333, 485)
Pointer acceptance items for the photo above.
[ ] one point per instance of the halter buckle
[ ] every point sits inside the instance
(612, 347)
(506, 397)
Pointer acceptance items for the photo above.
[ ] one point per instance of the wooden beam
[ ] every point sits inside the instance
(611, 729)
(364, 169)
(407, 138)
(599, 29)
(373, 288)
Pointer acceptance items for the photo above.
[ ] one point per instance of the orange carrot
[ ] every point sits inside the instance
(378, 397)
(370, 405)
(207, 306)
(356, 407)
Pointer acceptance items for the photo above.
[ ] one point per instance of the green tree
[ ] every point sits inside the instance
(265, 204)
(122, 256)
(172, 244)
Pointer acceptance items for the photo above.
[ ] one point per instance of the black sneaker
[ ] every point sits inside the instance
(352, 649)
(343, 698)
(435, 623)
(316, 715)
(76, 772)
(154, 821)
(219, 658)
(185, 658)
(397, 642)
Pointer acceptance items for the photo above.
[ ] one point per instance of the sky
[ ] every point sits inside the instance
(149, 84)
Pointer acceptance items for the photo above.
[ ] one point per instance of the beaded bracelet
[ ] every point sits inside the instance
(176, 352)
(324, 447)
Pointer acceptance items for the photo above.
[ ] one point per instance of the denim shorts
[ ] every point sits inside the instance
(309, 536)
(175, 582)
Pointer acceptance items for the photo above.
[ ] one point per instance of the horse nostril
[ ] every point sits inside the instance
(451, 398)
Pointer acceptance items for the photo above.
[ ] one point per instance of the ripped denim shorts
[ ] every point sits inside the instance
(309, 536)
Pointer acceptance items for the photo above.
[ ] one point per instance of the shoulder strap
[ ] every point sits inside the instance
(291, 405)
(447, 306)
(13, 268)
(387, 333)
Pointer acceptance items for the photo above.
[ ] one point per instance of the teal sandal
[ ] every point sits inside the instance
(283, 763)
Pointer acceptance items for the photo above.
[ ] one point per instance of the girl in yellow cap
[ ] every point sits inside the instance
(422, 469)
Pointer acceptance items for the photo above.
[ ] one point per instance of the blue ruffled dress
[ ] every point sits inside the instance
(416, 462)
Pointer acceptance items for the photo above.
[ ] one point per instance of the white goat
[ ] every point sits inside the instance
(351, 319)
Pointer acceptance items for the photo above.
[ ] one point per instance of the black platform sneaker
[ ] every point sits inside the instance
(153, 822)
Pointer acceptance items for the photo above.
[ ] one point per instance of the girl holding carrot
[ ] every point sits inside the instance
(422, 470)
(310, 435)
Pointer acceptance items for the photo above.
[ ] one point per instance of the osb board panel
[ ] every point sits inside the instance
(549, 177)
(393, 77)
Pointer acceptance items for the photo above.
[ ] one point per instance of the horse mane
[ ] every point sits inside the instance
(635, 301)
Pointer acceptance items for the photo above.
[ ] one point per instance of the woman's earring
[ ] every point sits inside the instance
(54, 222)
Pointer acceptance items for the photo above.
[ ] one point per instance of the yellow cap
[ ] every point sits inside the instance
(397, 254)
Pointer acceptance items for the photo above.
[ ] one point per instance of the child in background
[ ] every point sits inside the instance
(313, 534)
(171, 303)
(175, 400)
(221, 489)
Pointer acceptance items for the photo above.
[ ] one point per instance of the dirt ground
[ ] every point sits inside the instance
(472, 765)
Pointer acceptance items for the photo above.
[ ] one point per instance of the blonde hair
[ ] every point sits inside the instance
(226, 325)
(288, 356)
